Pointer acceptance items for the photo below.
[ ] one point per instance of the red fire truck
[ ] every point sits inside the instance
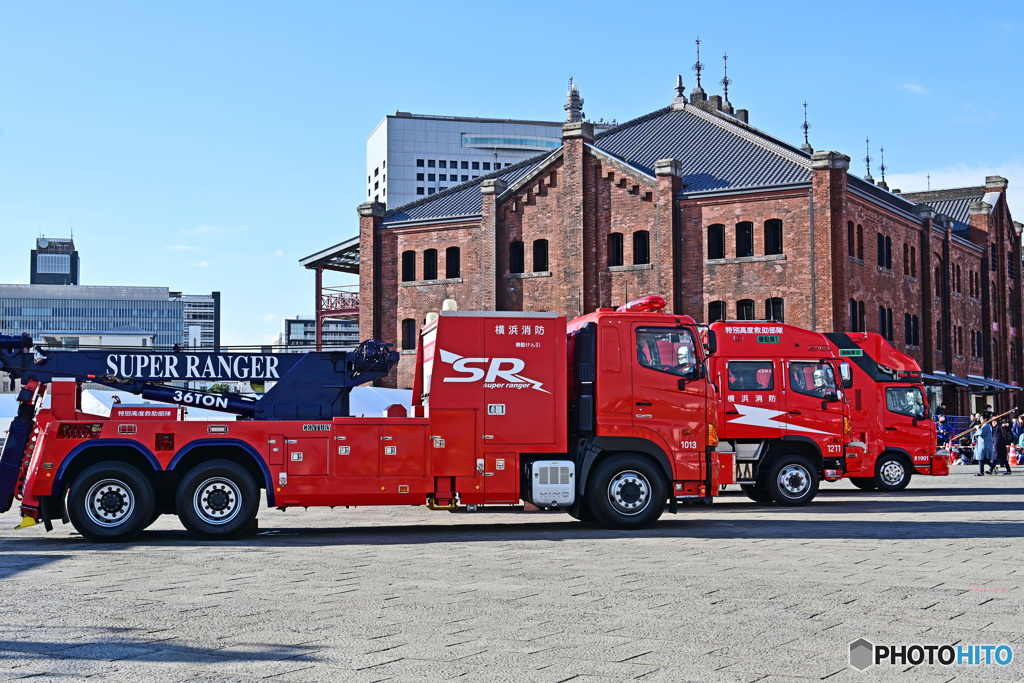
(613, 419)
(890, 415)
(783, 422)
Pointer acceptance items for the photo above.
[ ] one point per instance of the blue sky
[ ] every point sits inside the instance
(209, 145)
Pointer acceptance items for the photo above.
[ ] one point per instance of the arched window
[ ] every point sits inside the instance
(916, 325)
(716, 241)
(516, 257)
(888, 253)
(430, 264)
(773, 236)
(853, 316)
(540, 256)
(959, 281)
(938, 281)
(861, 319)
(974, 345)
(881, 321)
(880, 243)
(641, 247)
(908, 334)
(452, 263)
(616, 249)
(744, 239)
(773, 309)
(906, 259)
(408, 266)
(913, 262)
(851, 242)
(716, 311)
(860, 242)
(745, 309)
(408, 334)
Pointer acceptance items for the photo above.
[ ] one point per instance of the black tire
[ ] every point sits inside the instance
(792, 480)
(757, 493)
(863, 483)
(626, 492)
(892, 472)
(110, 501)
(217, 500)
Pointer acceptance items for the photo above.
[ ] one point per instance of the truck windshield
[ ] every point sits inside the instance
(905, 401)
(667, 350)
(813, 379)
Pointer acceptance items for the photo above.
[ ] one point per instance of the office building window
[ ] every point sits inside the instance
(430, 163)
(745, 309)
(716, 241)
(487, 166)
(773, 236)
(516, 257)
(408, 266)
(641, 247)
(540, 256)
(419, 190)
(442, 177)
(464, 165)
(616, 249)
(716, 311)
(430, 190)
(442, 164)
(430, 264)
(465, 178)
(419, 177)
(452, 263)
(476, 165)
(431, 177)
(744, 239)
(419, 163)
(408, 334)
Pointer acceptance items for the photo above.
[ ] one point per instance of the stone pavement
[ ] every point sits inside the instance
(734, 592)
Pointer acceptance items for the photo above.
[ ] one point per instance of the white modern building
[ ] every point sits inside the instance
(411, 156)
(299, 333)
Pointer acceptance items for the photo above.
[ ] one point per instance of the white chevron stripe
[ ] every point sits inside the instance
(764, 417)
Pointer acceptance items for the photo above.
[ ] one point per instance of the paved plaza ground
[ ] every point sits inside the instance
(734, 592)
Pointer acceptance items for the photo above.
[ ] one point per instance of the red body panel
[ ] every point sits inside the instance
(875, 423)
(766, 373)
(491, 388)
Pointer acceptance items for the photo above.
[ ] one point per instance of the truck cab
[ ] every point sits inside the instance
(784, 421)
(642, 408)
(890, 414)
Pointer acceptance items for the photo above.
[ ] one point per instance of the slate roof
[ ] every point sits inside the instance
(715, 152)
(954, 203)
(462, 200)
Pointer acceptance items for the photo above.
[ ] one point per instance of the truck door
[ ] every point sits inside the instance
(752, 395)
(668, 397)
(904, 405)
(814, 407)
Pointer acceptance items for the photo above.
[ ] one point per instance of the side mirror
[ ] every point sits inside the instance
(682, 384)
(914, 421)
(846, 374)
(712, 343)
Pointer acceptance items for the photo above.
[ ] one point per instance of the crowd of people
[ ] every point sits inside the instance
(987, 443)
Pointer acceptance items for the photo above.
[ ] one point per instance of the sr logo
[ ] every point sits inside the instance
(496, 373)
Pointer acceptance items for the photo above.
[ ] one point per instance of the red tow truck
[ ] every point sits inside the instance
(890, 415)
(783, 422)
(611, 418)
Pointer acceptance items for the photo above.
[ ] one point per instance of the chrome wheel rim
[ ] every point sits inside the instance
(217, 500)
(629, 492)
(892, 472)
(109, 502)
(793, 481)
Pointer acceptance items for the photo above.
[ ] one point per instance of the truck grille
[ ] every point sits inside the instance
(554, 475)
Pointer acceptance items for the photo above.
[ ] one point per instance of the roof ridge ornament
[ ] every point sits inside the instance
(867, 160)
(679, 101)
(806, 126)
(726, 105)
(698, 67)
(881, 183)
(573, 104)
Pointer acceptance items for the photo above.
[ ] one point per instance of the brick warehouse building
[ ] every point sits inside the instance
(725, 221)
